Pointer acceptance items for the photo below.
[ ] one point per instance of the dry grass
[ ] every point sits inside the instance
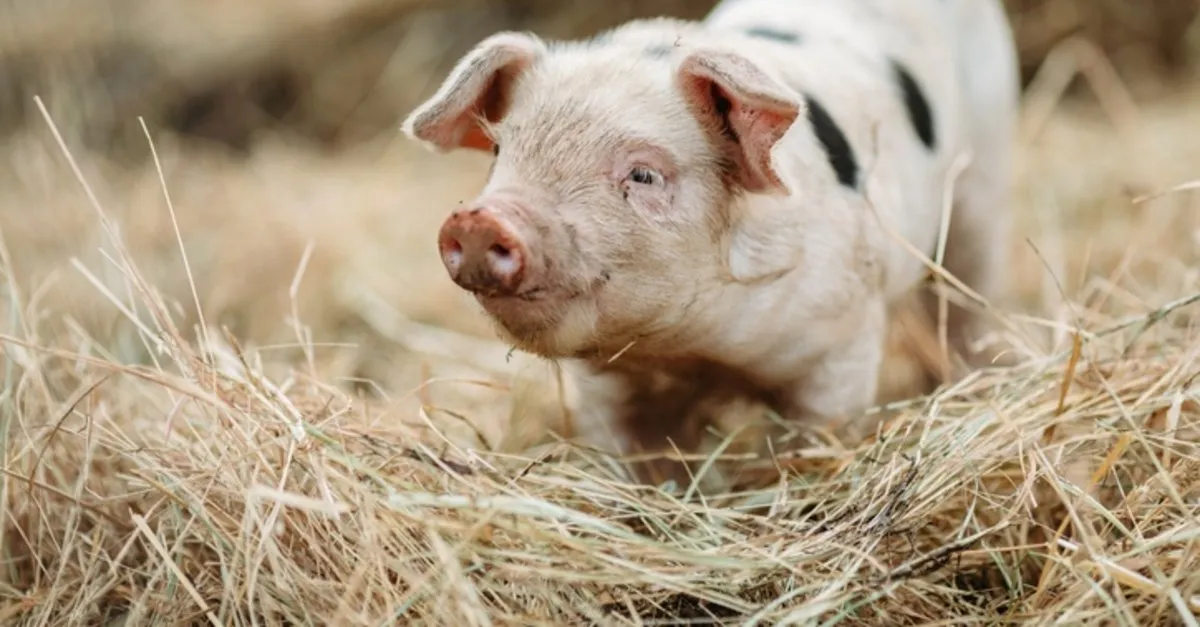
(356, 450)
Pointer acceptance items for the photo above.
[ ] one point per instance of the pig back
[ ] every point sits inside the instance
(884, 74)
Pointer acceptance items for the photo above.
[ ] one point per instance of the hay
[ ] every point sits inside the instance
(159, 469)
(203, 490)
(200, 489)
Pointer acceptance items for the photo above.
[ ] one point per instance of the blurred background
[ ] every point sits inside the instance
(276, 125)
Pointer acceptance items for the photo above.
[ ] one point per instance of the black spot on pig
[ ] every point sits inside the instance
(773, 34)
(919, 111)
(660, 51)
(833, 141)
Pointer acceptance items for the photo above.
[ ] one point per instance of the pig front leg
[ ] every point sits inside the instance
(842, 384)
(977, 247)
(977, 253)
(629, 411)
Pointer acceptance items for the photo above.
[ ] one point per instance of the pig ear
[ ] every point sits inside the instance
(749, 109)
(475, 93)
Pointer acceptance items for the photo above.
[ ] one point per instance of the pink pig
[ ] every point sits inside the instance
(687, 211)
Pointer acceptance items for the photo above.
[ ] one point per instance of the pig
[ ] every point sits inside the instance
(681, 212)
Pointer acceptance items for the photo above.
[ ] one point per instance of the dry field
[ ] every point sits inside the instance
(238, 389)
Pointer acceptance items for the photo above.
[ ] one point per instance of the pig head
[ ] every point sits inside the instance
(608, 204)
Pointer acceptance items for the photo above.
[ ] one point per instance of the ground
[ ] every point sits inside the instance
(296, 418)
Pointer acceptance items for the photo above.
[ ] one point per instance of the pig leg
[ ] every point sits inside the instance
(843, 384)
(629, 412)
(977, 243)
(977, 247)
(976, 254)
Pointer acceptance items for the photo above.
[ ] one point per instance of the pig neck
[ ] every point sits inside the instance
(768, 331)
(803, 297)
(763, 332)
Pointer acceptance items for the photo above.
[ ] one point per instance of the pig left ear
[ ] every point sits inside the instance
(745, 107)
(476, 93)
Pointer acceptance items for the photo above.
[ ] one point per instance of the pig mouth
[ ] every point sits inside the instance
(549, 294)
(535, 311)
(553, 321)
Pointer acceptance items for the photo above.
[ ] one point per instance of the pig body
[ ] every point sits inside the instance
(687, 211)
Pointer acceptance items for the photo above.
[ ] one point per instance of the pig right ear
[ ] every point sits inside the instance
(747, 108)
(475, 93)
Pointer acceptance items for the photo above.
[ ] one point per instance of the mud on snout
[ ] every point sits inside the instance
(528, 271)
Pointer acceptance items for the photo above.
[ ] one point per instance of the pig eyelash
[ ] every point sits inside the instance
(645, 176)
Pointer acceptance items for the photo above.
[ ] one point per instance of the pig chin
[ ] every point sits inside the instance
(548, 328)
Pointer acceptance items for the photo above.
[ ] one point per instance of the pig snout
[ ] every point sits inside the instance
(483, 252)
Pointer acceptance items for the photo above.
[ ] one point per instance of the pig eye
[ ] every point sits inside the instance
(645, 176)
(495, 150)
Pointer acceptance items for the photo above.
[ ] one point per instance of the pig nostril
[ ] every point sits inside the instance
(452, 255)
(503, 260)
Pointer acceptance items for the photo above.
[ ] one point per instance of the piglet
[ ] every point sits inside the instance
(688, 211)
